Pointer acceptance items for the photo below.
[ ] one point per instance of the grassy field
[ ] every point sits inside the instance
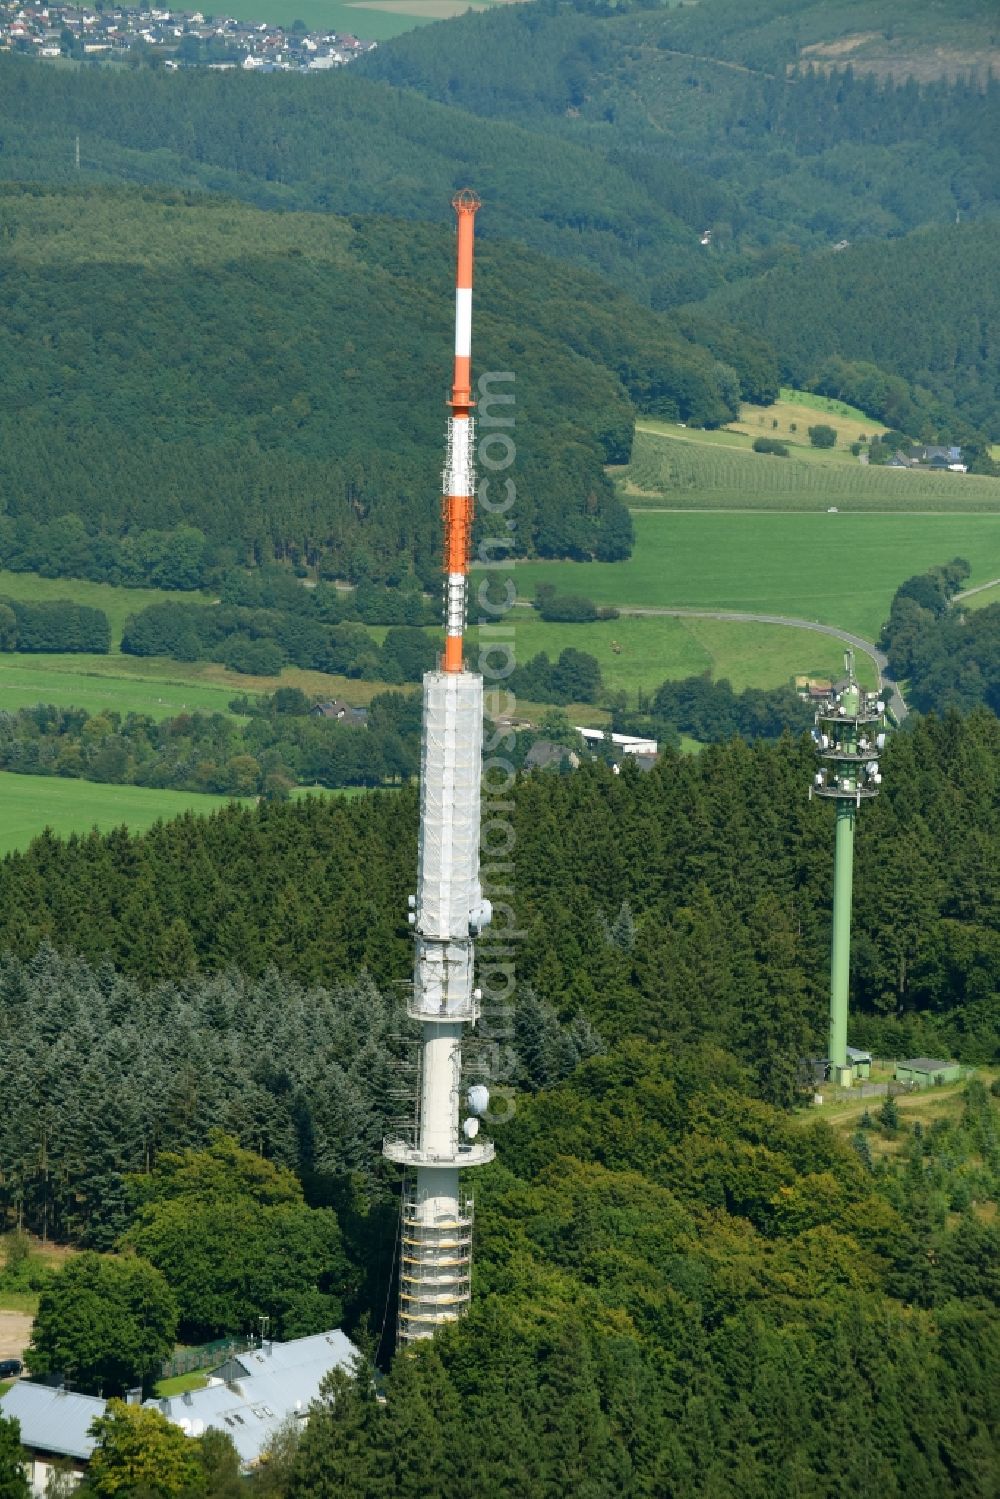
(985, 597)
(153, 685)
(718, 470)
(377, 20)
(796, 411)
(651, 650)
(117, 603)
(30, 803)
(840, 570)
(733, 440)
(179, 1383)
(925, 1104)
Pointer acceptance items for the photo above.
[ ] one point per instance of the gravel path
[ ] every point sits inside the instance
(15, 1333)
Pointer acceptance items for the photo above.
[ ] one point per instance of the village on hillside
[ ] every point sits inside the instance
(174, 38)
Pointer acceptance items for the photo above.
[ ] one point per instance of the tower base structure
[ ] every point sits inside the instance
(435, 1284)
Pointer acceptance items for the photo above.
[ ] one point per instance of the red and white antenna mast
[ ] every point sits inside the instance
(448, 910)
(459, 479)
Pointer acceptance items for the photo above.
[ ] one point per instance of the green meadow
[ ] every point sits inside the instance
(153, 685)
(376, 21)
(643, 651)
(30, 803)
(839, 569)
(117, 603)
(983, 599)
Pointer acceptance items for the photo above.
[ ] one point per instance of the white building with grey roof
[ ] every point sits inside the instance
(248, 1397)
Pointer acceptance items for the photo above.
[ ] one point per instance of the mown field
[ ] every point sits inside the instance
(156, 686)
(643, 651)
(377, 20)
(796, 411)
(117, 603)
(839, 570)
(982, 599)
(30, 803)
(719, 471)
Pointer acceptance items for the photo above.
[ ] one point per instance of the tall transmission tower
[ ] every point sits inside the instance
(448, 910)
(849, 736)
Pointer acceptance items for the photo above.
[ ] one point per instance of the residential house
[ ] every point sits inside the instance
(338, 709)
(55, 1430)
(544, 754)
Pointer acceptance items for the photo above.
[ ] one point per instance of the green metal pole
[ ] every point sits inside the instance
(840, 960)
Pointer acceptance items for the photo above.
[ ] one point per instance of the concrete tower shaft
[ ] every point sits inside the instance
(448, 909)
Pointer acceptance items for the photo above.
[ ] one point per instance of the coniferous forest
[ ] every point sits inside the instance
(677, 1277)
(224, 301)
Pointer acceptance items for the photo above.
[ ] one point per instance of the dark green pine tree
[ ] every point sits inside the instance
(13, 1477)
(578, 1454)
(424, 1432)
(339, 1456)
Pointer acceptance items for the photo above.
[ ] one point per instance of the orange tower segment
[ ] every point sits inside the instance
(459, 478)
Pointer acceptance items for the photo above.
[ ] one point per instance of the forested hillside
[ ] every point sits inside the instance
(768, 156)
(340, 143)
(682, 1294)
(610, 141)
(690, 903)
(276, 381)
(681, 1287)
(925, 307)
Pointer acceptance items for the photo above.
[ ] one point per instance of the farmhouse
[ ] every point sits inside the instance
(342, 712)
(55, 1430)
(544, 754)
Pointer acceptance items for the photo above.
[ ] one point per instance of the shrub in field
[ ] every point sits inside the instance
(822, 435)
(770, 445)
(568, 608)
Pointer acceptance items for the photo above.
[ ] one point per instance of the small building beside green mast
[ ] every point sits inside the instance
(849, 736)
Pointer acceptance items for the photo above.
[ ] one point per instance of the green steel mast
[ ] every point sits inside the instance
(849, 733)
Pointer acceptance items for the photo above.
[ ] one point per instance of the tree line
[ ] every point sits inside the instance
(53, 626)
(212, 752)
(260, 642)
(712, 711)
(719, 861)
(948, 655)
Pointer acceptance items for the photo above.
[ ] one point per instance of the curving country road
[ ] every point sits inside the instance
(979, 588)
(896, 703)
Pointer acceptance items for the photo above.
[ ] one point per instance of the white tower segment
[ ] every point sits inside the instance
(449, 910)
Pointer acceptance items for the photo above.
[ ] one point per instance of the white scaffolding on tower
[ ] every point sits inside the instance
(448, 910)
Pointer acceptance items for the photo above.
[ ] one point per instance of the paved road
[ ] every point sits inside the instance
(899, 708)
(979, 588)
